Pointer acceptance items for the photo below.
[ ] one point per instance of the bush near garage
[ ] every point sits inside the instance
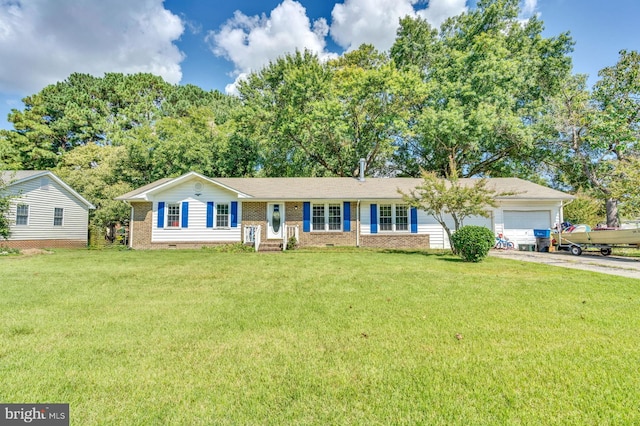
(472, 243)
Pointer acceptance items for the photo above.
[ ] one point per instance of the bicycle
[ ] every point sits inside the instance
(503, 243)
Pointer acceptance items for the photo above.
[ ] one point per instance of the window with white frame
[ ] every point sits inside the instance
(402, 217)
(222, 215)
(335, 217)
(58, 216)
(327, 217)
(318, 218)
(22, 214)
(386, 217)
(173, 215)
(394, 217)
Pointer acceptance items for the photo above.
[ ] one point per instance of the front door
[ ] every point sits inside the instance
(275, 220)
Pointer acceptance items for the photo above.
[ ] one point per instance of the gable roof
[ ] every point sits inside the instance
(336, 188)
(14, 177)
(142, 193)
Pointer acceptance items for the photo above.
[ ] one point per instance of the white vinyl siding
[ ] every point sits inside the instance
(197, 230)
(426, 224)
(42, 201)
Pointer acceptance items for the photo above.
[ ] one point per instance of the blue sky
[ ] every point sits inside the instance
(212, 43)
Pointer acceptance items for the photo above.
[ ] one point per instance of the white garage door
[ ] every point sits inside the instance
(519, 225)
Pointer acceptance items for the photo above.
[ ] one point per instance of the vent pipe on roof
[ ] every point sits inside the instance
(362, 164)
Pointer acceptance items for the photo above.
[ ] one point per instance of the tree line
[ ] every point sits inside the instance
(483, 95)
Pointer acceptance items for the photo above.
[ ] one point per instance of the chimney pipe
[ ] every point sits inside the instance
(362, 164)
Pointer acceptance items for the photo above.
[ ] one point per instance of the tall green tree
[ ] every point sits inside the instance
(488, 74)
(597, 139)
(96, 173)
(106, 135)
(318, 119)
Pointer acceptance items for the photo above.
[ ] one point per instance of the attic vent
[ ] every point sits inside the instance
(44, 184)
(198, 186)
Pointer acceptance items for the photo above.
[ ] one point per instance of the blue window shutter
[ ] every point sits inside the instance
(161, 214)
(234, 214)
(306, 216)
(346, 227)
(414, 220)
(209, 214)
(185, 214)
(374, 218)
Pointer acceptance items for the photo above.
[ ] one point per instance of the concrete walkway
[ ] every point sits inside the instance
(588, 261)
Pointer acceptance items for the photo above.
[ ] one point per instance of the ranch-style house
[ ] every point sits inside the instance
(192, 211)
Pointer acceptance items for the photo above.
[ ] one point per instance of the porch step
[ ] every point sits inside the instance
(270, 245)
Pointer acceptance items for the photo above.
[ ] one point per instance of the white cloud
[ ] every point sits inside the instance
(355, 22)
(250, 42)
(528, 7)
(376, 22)
(43, 41)
(439, 10)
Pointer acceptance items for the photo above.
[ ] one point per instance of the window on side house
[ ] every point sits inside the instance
(22, 214)
(402, 217)
(318, 217)
(394, 217)
(222, 215)
(58, 216)
(327, 217)
(335, 217)
(386, 217)
(173, 215)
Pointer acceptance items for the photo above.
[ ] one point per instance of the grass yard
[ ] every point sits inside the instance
(325, 337)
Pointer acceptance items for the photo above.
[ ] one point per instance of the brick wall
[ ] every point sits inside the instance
(141, 225)
(43, 244)
(395, 241)
(255, 213)
(321, 239)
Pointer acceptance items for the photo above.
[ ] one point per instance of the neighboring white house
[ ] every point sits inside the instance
(194, 211)
(45, 212)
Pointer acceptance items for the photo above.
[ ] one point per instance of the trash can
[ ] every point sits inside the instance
(543, 239)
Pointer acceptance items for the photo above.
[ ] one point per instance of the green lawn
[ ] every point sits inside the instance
(325, 337)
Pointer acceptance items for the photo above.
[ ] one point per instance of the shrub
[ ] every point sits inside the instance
(473, 243)
(4, 250)
(292, 244)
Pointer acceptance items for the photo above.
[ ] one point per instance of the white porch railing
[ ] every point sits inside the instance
(290, 231)
(252, 234)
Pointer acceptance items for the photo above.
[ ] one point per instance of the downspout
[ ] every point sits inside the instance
(130, 243)
(358, 224)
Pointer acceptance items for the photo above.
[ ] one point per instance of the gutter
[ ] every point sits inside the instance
(358, 224)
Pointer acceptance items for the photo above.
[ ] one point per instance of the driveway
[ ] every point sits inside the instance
(588, 261)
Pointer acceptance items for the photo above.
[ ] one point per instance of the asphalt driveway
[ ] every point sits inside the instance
(588, 261)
